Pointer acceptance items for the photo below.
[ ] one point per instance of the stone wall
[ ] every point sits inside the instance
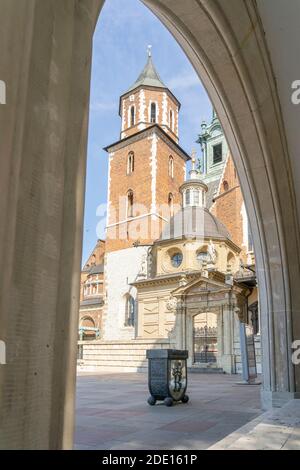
(116, 356)
(150, 183)
(121, 268)
(238, 359)
(228, 203)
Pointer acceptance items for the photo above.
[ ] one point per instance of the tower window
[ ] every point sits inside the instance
(130, 203)
(187, 197)
(130, 163)
(171, 166)
(217, 153)
(171, 120)
(171, 204)
(196, 197)
(129, 311)
(132, 116)
(153, 112)
(225, 185)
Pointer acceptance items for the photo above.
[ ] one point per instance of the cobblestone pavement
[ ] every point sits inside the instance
(112, 412)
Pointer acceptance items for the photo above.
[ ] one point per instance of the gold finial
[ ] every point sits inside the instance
(149, 50)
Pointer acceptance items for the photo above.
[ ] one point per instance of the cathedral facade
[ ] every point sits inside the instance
(173, 267)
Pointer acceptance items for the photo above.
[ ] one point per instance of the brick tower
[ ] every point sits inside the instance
(146, 169)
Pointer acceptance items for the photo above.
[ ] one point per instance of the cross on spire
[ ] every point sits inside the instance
(149, 50)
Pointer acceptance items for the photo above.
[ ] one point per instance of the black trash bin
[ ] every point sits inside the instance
(167, 375)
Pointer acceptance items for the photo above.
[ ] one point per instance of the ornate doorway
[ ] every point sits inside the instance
(205, 340)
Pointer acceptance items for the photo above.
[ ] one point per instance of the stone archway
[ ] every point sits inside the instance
(44, 129)
(205, 338)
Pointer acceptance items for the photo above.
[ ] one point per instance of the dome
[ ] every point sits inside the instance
(194, 222)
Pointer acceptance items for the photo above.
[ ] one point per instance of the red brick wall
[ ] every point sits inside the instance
(228, 204)
(140, 182)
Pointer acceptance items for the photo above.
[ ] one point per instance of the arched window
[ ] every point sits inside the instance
(187, 197)
(203, 256)
(225, 185)
(132, 116)
(130, 203)
(171, 120)
(230, 263)
(171, 166)
(129, 311)
(153, 112)
(171, 204)
(87, 328)
(130, 163)
(196, 197)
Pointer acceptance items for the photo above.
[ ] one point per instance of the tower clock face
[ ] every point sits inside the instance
(177, 380)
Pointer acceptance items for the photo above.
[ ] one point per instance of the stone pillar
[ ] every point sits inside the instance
(227, 359)
(180, 324)
(45, 62)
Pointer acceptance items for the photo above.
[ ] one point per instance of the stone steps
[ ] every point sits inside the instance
(206, 370)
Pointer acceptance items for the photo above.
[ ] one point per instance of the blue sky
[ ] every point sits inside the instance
(124, 30)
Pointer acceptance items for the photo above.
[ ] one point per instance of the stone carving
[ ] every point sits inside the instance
(143, 271)
(212, 251)
(173, 304)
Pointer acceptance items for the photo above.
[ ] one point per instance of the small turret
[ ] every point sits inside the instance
(194, 190)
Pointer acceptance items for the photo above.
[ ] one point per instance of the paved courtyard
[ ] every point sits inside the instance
(112, 412)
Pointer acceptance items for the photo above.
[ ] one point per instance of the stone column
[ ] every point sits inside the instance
(180, 324)
(227, 359)
(45, 62)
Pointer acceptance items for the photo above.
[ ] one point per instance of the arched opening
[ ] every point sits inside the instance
(188, 197)
(130, 202)
(171, 119)
(171, 204)
(230, 263)
(205, 338)
(153, 113)
(129, 311)
(203, 256)
(225, 185)
(132, 116)
(171, 166)
(130, 163)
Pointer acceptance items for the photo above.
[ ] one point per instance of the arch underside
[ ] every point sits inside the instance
(44, 137)
(226, 45)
